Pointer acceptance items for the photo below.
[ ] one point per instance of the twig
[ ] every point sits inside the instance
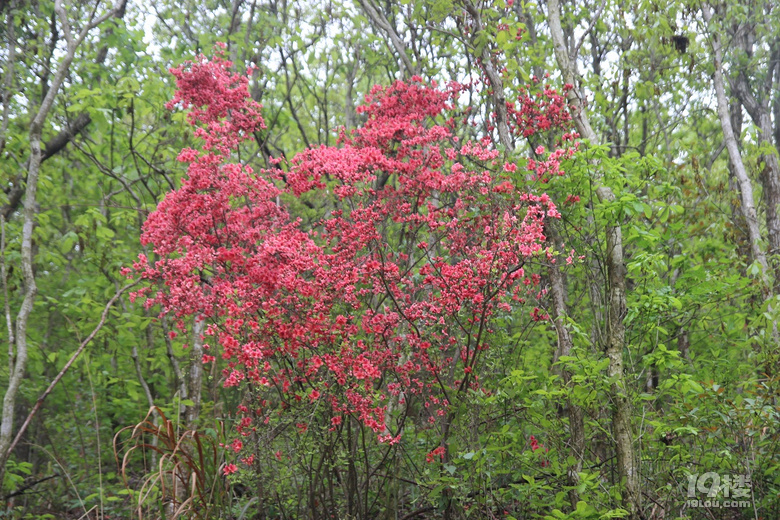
(418, 513)
(591, 25)
(67, 366)
(22, 489)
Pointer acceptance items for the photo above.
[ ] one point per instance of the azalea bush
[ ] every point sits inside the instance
(375, 321)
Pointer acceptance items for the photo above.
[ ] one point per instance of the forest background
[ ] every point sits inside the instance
(637, 377)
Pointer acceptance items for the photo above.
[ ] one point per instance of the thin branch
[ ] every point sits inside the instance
(497, 84)
(31, 485)
(715, 155)
(591, 25)
(67, 366)
(7, 305)
(379, 19)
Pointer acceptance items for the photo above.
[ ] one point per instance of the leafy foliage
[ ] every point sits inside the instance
(367, 263)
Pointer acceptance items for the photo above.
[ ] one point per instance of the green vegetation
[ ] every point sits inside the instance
(647, 386)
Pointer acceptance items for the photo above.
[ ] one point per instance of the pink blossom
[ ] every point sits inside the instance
(345, 306)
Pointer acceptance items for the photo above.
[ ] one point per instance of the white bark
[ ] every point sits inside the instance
(18, 361)
(616, 276)
(380, 20)
(748, 207)
(195, 384)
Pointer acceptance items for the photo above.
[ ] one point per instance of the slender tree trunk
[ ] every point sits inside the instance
(195, 383)
(379, 19)
(18, 361)
(64, 370)
(8, 81)
(565, 345)
(628, 470)
(181, 382)
(776, 106)
(496, 83)
(349, 98)
(770, 180)
(745, 185)
(770, 173)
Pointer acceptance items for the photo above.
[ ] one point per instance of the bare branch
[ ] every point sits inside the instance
(591, 25)
(378, 18)
(499, 97)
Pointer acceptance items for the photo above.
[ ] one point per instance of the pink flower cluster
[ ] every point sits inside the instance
(536, 446)
(437, 454)
(392, 294)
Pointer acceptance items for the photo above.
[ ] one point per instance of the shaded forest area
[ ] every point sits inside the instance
(437, 259)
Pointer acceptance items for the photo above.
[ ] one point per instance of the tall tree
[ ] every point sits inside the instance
(18, 348)
(615, 340)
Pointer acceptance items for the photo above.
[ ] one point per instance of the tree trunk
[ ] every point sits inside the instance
(379, 19)
(616, 278)
(759, 112)
(745, 185)
(565, 344)
(195, 383)
(18, 359)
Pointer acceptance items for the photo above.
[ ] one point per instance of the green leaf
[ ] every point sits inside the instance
(104, 232)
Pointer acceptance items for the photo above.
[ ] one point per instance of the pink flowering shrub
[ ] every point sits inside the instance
(392, 296)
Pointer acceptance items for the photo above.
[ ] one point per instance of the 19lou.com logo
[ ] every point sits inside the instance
(712, 490)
